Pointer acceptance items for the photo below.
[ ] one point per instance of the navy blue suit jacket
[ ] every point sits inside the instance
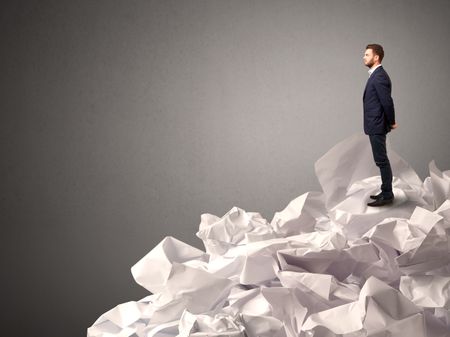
(379, 113)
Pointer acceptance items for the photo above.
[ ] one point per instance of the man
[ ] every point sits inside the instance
(379, 119)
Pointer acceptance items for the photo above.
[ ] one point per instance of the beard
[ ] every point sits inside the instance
(370, 63)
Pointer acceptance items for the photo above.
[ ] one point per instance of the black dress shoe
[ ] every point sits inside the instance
(381, 201)
(375, 197)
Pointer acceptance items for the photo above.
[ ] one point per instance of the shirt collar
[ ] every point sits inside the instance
(371, 70)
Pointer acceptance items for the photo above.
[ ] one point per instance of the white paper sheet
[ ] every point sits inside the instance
(237, 227)
(379, 309)
(160, 260)
(428, 291)
(206, 325)
(440, 183)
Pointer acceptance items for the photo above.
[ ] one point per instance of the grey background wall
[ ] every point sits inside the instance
(123, 121)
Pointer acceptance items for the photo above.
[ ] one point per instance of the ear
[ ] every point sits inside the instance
(376, 57)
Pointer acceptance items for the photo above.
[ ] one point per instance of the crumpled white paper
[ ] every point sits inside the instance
(302, 214)
(220, 324)
(326, 265)
(379, 309)
(428, 291)
(440, 182)
(237, 227)
(160, 260)
(348, 176)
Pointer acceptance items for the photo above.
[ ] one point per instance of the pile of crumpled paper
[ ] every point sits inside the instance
(327, 265)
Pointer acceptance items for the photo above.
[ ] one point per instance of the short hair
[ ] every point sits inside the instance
(377, 50)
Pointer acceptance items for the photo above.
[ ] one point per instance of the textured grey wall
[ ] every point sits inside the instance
(123, 121)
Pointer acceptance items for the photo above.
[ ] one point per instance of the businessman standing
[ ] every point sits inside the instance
(379, 119)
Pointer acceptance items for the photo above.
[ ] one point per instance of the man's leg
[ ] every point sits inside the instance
(378, 143)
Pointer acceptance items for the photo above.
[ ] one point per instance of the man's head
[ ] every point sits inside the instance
(373, 55)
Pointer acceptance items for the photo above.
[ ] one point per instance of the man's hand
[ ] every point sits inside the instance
(394, 126)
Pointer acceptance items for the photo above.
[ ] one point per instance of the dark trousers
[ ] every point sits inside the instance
(378, 143)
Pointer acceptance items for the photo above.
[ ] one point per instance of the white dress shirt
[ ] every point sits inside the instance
(371, 70)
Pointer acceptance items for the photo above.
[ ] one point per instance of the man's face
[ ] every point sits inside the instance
(369, 58)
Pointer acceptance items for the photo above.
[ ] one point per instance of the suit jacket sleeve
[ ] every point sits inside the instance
(383, 87)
